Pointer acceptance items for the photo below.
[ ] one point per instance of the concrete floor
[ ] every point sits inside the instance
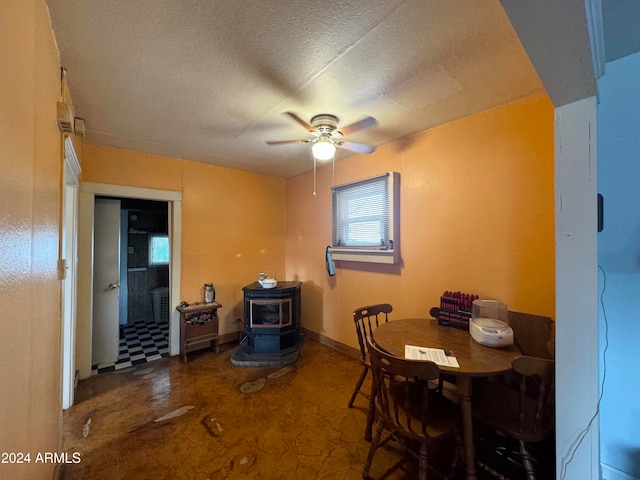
(297, 425)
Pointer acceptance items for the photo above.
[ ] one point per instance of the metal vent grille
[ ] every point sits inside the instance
(65, 118)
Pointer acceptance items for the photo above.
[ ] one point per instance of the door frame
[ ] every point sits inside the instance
(88, 192)
(68, 271)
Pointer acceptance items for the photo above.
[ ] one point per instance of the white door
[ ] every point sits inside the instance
(106, 288)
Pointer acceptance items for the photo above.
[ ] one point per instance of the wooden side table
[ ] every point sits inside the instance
(198, 323)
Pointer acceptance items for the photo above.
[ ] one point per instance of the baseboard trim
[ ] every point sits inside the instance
(611, 473)
(323, 339)
(318, 337)
(229, 338)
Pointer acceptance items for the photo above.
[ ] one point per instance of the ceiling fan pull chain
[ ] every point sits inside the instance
(314, 175)
(333, 171)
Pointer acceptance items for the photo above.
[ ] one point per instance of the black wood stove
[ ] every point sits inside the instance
(271, 324)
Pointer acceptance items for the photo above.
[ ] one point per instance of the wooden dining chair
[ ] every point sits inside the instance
(366, 319)
(532, 333)
(411, 411)
(525, 414)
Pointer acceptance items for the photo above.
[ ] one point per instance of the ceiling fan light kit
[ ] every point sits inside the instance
(326, 136)
(323, 149)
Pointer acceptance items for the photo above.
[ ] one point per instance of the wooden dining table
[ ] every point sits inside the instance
(475, 361)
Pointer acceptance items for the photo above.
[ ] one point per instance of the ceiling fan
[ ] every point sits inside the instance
(326, 135)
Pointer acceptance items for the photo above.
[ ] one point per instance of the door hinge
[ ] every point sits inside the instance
(62, 268)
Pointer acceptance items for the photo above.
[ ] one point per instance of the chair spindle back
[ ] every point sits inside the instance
(398, 383)
(366, 320)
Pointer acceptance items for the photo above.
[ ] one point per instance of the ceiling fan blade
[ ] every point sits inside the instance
(296, 118)
(356, 147)
(366, 122)
(282, 142)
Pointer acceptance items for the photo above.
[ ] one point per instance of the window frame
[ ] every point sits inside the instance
(385, 252)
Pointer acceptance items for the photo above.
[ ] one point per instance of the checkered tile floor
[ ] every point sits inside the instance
(140, 342)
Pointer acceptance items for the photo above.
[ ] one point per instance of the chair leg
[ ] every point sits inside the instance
(458, 456)
(526, 461)
(423, 461)
(371, 414)
(363, 375)
(372, 448)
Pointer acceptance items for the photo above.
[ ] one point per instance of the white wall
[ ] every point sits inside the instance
(564, 44)
(619, 257)
(576, 292)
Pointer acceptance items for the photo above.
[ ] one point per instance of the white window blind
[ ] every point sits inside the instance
(364, 221)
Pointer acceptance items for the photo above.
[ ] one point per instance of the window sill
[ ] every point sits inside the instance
(369, 255)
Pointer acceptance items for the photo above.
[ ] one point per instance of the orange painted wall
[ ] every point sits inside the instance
(477, 215)
(30, 192)
(233, 222)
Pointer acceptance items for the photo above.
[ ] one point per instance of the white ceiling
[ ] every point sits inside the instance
(209, 81)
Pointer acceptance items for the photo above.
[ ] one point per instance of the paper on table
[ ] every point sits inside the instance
(445, 358)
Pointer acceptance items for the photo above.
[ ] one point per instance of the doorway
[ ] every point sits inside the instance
(131, 283)
(88, 193)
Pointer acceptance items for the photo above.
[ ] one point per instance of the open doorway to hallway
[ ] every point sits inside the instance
(131, 315)
(88, 193)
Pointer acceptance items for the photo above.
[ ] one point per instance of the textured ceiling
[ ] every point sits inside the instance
(209, 81)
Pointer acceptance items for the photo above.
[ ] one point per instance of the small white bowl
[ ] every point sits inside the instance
(268, 283)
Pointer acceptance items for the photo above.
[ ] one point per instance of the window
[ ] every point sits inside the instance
(364, 220)
(158, 250)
